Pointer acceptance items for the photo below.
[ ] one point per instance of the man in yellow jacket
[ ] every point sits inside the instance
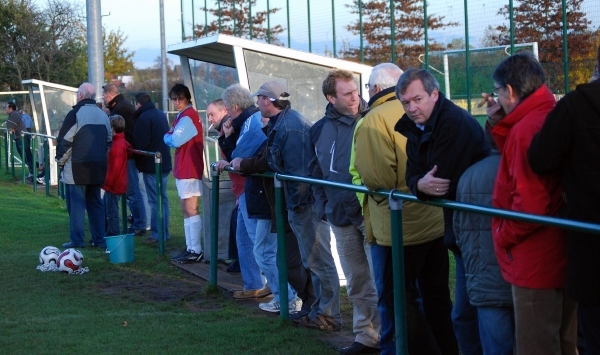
(380, 161)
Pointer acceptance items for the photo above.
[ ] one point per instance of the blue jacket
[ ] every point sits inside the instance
(289, 152)
(151, 126)
(485, 285)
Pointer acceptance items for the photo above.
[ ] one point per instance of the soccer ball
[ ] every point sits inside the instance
(69, 261)
(49, 255)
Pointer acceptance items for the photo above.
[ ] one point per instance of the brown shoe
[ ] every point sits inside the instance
(243, 294)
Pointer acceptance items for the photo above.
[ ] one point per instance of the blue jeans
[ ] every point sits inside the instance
(314, 242)
(245, 237)
(265, 252)
(384, 282)
(81, 198)
(589, 317)
(135, 198)
(464, 315)
(497, 330)
(150, 183)
(111, 205)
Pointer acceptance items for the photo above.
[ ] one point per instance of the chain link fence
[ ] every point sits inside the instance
(364, 31)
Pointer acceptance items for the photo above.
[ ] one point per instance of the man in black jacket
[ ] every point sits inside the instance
(115, 104)
(569, 144)
(152, 124)
(443, 141)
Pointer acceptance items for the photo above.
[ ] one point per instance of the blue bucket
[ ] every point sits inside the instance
(120, 248)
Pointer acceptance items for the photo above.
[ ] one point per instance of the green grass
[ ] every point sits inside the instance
(146, 307)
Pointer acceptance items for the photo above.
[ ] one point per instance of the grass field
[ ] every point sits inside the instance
(145, 307)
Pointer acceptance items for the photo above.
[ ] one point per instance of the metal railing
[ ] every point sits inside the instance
(8, 154)
(395, 200)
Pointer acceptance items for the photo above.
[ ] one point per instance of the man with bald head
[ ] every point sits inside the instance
(82, 144)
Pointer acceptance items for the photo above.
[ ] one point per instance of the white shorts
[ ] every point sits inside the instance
(187, 188)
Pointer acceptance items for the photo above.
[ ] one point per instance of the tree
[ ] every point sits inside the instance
(239, 11)
(117, 59)
(541, 21)
(409, 31)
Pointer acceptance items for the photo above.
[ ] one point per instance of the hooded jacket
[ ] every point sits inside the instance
(116, 174)
(380, 159)
(453, 140)
(151, 127)
(331, 138)
(530, 255)
(569, 144)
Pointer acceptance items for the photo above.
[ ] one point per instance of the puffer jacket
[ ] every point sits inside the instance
(380, 160)
(485, 285)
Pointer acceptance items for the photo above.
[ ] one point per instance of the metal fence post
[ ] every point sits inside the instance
(32, 146)
(214, 224)
(6, 150)
(159, 202)
(123, 201)
(47, 166)
(281, 248)
(23, 158)
(398, 272)
(12, 154)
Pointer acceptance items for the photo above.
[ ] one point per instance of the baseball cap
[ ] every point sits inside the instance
(274, 90)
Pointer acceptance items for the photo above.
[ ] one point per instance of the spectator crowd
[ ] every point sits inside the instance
(521, 287)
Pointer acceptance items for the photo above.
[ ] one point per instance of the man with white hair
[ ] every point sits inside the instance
(81, 152)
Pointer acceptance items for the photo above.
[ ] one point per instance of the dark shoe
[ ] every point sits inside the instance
(192, 257)
(151, 241)
(139, 233)
(358, 348)
(130, 218)
(180, 255)
(245, 294)
(320, 322)
(71, 245)
(234, 267)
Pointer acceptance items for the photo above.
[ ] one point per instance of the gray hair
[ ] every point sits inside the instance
(428, 80)
(522, 72)
(385, 75)
(237, 95)
(87, 91)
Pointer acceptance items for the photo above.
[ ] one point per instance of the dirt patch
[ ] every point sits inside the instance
(187, 290)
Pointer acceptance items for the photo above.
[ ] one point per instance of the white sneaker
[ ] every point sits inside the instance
(273, 306)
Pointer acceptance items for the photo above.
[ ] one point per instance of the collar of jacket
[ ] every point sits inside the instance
(239, 120)
(406, 124)
(384, 95)
(85, 102)
(541, 99)
(332, 113)
(145, 107)
(115, 101)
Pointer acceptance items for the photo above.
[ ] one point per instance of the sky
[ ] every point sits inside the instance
(139, 20)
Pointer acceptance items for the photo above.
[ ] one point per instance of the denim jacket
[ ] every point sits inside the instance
(289, 152)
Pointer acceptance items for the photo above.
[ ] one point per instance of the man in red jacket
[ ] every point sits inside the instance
(532, 257)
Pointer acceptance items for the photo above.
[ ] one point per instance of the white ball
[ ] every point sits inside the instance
(49, 255)
(69, 261)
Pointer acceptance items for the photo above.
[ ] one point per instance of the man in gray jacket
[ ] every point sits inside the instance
(81, 152)
(332, 139)
(16, 126)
